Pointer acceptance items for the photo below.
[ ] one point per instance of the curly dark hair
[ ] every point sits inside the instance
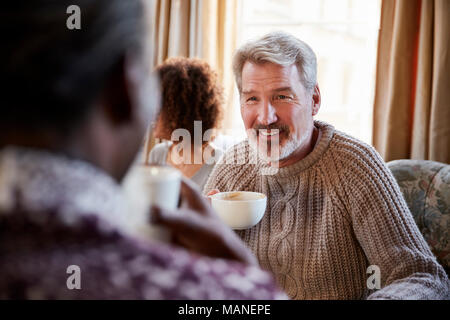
(190, 92)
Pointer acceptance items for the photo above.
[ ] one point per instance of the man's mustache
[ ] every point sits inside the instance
(279, 127)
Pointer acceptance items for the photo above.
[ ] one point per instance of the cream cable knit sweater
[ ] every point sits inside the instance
(330, 216)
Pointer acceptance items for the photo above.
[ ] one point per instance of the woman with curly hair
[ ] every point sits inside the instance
(191, 100)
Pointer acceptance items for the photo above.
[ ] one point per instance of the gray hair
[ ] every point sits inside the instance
(279, 48)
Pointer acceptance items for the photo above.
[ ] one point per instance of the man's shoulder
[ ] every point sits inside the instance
(358, 163)
(351, 150)
(112, 265)
(236, 154)
(120, 266)
(239, 157)
(236, 169)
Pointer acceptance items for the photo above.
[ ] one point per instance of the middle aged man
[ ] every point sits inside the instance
(334, 208)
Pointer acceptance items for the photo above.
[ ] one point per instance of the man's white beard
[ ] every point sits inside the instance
(285, 151)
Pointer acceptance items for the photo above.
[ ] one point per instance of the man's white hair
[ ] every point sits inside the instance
(279, 48)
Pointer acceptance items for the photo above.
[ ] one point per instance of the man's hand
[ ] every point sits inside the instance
(213, 192)
(196, 227)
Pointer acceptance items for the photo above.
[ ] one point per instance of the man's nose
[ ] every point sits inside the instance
(267, 114)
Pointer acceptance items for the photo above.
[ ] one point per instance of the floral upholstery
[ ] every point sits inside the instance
(426, 188)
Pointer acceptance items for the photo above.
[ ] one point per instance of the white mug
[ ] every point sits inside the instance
(239, 209)
(160, 186)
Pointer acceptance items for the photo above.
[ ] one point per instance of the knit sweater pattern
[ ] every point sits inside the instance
(329, 217)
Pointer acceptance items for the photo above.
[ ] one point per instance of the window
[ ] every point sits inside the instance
(343, 34)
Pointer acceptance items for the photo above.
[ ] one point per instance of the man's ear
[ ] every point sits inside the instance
(116, 99)
(316, 100)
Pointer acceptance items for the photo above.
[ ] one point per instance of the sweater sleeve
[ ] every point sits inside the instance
(387, 231)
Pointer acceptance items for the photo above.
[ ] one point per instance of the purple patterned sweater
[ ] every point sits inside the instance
(57, 212)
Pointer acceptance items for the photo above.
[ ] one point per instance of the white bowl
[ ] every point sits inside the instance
(239, 209)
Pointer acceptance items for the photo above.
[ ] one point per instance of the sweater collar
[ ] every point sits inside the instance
(326, 134)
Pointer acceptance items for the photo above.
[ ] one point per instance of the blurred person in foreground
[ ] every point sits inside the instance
(335, 214)
(75, 106)
(191, 110)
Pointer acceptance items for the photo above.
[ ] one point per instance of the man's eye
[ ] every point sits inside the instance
(251, 99)
(282, 97)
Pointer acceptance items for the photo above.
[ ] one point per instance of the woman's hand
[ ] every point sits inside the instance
(196, 227)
